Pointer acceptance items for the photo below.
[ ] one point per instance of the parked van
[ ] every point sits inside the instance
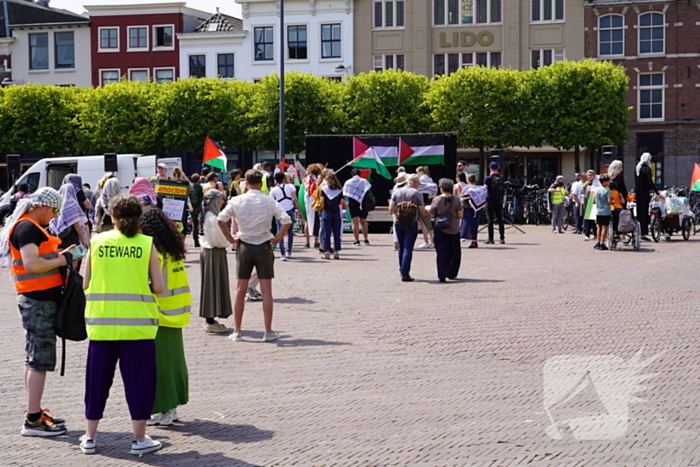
(51, 171)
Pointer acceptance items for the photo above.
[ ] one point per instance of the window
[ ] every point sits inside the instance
(198, 66)
(454, 62)
(389, 14)
(264, 43)
(651, 33)
(163, 36)
(140, 74)
(109, 76)
(466, 11)
(546, 57)
(225, 65)
(389, 62)
(109, 39)
(610, 35)
(547, 10)
(65, 49)
(138, 37)
(164, 75)
(296, 43)
(39, 51)
(651, 96)
(330, 41)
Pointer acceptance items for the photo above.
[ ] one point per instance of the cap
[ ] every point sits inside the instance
(46, 196)
(493, 165)
(400, 169)
(560, 177)
(162, 164)
(414, 178)
(401, 180)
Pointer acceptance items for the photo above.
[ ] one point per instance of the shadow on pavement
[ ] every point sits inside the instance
(306, 343)
(217, 431)
(294, 300)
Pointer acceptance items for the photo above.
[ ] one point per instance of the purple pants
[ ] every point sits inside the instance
(137, 364)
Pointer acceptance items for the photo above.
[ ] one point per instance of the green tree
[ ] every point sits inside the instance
(36, 118)
(116, 118)
(385, 103)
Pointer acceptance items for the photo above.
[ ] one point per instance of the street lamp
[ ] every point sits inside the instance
(282, 54)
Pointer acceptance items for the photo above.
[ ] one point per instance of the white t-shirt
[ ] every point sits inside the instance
(278, 195)
(576, 189)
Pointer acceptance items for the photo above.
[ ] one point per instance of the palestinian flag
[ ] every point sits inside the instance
(422, 151)
(214, 155)
(386, 148)
(695, 179)
(369, 159)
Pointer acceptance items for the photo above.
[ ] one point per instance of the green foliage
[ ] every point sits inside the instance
(386, 102)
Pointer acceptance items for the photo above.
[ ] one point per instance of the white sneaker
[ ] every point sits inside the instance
(160, 419)
(283, 258)
(424, 246)
(289, 254)
(431, 245)
(235, 337)
(253, 296)
(173, 415)
(145, 445)
(87, 445)
(269, 337)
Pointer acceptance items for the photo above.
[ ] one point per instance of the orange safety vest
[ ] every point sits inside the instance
(26, 281)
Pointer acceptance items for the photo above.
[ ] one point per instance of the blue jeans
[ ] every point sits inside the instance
(290, 233)
(332, 226)
(406, 234)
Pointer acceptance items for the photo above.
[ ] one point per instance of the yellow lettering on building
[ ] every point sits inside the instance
(467, 39)
(443, 42)
(485, 38)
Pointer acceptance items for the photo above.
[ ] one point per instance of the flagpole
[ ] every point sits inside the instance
(282, 56)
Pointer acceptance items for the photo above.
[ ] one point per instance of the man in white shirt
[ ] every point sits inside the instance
(286, 195)
(254, 212)
(576, 198)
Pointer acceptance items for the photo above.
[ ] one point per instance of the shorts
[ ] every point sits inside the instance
(356, 211)
(37, 321)
(426, 221)
(602, 220)
(260, 257)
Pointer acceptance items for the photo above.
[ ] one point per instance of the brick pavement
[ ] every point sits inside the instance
(375, 372)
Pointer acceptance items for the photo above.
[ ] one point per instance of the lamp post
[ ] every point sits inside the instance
(281, 125)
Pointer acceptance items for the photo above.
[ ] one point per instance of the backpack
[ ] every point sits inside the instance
(497, 188)
(69, 322)
(626, 223)
(318, 203)
(369, 202)
(406, 212)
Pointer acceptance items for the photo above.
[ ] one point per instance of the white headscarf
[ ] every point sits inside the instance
(646, 160)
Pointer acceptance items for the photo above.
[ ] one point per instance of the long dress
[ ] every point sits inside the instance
(215, 296)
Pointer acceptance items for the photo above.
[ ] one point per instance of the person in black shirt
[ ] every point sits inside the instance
(494, 207)
(643, 186)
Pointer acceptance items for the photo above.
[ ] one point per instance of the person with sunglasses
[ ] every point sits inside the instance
(38, 276)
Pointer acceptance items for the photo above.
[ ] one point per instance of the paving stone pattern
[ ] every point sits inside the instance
(375, 372)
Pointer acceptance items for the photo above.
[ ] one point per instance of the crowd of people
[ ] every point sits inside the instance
(137, 322)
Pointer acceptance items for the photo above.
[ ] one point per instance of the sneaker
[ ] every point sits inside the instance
(145, 445)
(289, 254)
(424, 246)
(603, 247)
(253, 296)
(586, 238)
(503, 241)
(272, 336)
(42, 427)
(283, 258)
(235, 337)
(55, 420)
(463, 240)
(366, 242)
(87, 445)
(356, 243)
(596, 246)
(173, 415)
(160, 419)
(215, 327)
(431, 245)
(306, 245)
(561, 232)
(489, 241)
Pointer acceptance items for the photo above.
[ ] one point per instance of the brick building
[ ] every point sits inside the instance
(658, 43)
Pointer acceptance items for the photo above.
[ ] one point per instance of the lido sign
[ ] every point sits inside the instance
(466, 39)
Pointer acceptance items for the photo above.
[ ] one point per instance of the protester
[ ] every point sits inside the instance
(313, 221)
(494, 208)
(110, 190)
(460, 183)
(643, 186)
(461, 166)
(144, 192)
(618, 192)
(406, 233)
(253, 211)
(331, 191)
(473, 199)
(172, 385)
(268, 181)
(576, 197)
(602, 200)
(428, 189)
(356, 189)
(447, 249)
(213, 183)
(234, 188)
(286, 195)
(77, 182)
(122, 322)
(88, 196)
(38, 280)
(214, 298)
(71, 223)
(21, 192)
(161, 172)
(196, 198)
(96, 203)
(557, 197)
(587, 190)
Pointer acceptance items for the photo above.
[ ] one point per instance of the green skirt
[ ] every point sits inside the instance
(172, 385)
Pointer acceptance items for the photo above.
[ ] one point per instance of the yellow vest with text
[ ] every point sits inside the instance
(265, 189)
(120, 304)
(175, 302)
(558, 195)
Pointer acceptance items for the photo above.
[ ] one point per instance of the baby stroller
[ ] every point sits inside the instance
(626, 225)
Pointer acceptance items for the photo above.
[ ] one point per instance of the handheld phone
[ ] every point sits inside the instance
(78, 252)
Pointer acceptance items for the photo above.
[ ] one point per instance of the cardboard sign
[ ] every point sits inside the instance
(173, 189)
(174, 208)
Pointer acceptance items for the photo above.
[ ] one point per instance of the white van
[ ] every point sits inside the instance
(51, 171)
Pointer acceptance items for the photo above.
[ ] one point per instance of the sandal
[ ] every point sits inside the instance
(336, 256)
(327, 256)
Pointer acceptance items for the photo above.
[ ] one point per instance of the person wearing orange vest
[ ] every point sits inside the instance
(36, 272)
(122, 277)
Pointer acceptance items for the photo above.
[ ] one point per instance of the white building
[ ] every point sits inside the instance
(319, 38)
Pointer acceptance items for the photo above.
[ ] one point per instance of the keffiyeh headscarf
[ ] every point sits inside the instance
(210, 204)
(110, 190)
(143, 191)
(75, 180)
(70, 212)
(646, 160)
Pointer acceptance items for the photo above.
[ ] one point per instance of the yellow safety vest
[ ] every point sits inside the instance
(175, 302)
(120, 304)
(265, 189)
(558, 195)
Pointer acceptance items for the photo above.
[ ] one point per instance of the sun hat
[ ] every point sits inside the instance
(401, 180)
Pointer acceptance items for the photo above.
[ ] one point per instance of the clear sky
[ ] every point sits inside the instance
(228, 7)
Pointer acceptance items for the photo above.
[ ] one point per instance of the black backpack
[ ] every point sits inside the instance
(497, 188)
(369, 202)
(70, 315)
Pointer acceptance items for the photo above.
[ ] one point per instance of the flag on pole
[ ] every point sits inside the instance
(695, 179)
(422, 151)
(369, 159)
(386, 148)
(214, 155)
(299, 171)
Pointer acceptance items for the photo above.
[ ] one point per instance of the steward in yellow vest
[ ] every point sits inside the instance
(175, 302)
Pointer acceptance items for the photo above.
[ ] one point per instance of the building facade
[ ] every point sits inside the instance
(657, 44)
(139, 41)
